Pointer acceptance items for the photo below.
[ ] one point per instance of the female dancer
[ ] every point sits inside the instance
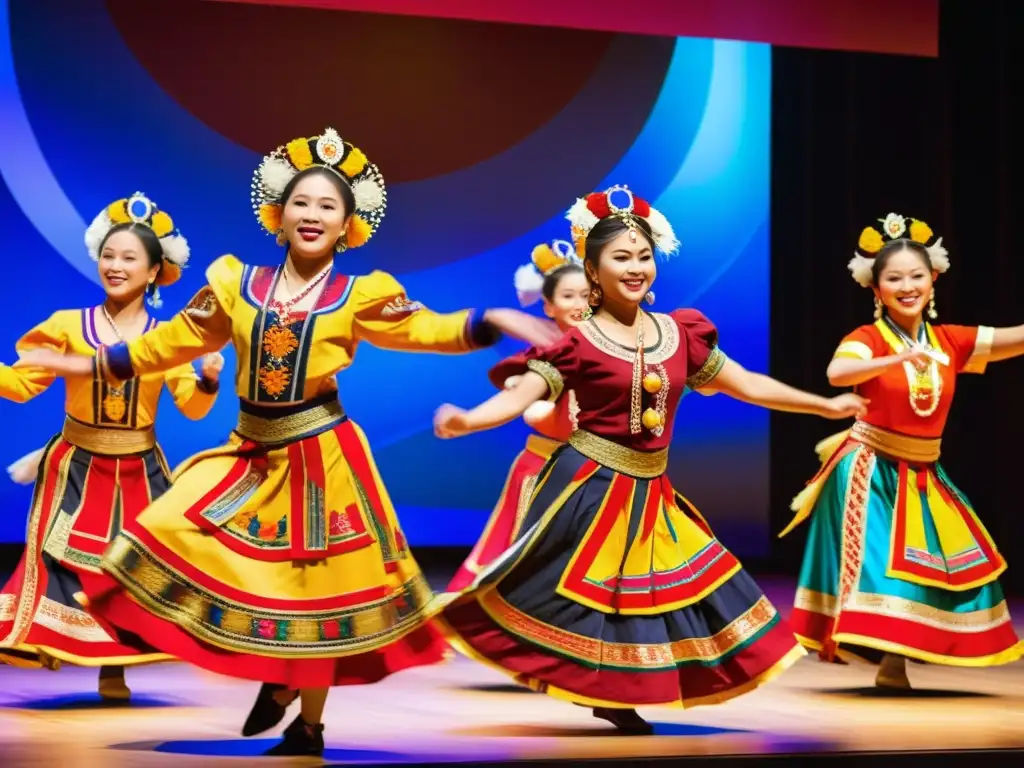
(105, 466)
(617, 594)
(897, 562)
(555, 276)
(278, 557)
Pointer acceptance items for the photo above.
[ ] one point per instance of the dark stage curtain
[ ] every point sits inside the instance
(856, 136)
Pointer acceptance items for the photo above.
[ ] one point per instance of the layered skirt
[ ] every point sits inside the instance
(91, 481)
(616, 593)
(897, 561)
(507, 517)
(277, 557)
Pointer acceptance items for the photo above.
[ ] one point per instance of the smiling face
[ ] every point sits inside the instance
(125, 267)
(905, 284)
(625, 268)
(314, 216)
(569, 298)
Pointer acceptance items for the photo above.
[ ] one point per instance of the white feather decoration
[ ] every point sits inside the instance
(368, 194)
(529, 283)
(860, 268)
(275, 173)
(176, 249)
(664, 236)
(96, 232)
(939, 256)
(580, 217)
(25, 470)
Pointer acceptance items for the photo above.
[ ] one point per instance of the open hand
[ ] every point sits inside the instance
(844, 406)
(57, 363)
(915, 354)
(450, 421)
(532, 330)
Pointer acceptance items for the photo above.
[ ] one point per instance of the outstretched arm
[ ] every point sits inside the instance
(1007, 343)
(756, 388)
(508, 404)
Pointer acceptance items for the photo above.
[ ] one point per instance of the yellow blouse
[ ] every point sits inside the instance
(298, 360)
(131, 405)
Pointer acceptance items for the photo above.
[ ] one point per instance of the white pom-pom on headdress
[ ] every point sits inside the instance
(580, 217)
(176, 249)
(939, 256)
(95, 233)
(860, 268)
(529, 285)
(368, 194)
(275, 173)
(664, 236)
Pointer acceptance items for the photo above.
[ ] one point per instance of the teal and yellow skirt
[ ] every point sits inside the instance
(616, 593)
(897, 561)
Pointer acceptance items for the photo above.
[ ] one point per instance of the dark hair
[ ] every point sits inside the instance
(892, 247)
(608, 229)
(150, 244)
(344, 190)
(554, 277)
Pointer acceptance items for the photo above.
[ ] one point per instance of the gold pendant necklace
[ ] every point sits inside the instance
(114, 405)
(925, 382)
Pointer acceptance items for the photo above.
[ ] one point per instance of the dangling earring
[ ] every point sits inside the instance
(878, 308)
(649, 297)
(595, 296)
(153, 296)
(341, 246)
(282, 238)
(932, 314)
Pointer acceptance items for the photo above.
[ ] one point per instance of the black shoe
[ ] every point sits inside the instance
(300, 738)
(626, 720)
(266, 712)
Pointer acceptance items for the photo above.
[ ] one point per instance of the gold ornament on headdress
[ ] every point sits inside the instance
(328, 151)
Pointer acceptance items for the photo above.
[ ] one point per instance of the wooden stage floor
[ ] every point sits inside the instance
(461, 712)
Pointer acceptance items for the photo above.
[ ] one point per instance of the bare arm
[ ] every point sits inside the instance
(500, 409)
(756, 388)
(1007, 343)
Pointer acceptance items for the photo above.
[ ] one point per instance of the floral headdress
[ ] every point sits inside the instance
(139, 209)
(328, 151)
(545, 259)
(895, 227)
(619, 202)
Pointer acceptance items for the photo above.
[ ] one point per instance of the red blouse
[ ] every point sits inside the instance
(890, 407)
(600, 372)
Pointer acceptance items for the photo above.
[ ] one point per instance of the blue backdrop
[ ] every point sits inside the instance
(91, 112)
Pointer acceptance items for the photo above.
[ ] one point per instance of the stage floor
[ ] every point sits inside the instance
(461, 711)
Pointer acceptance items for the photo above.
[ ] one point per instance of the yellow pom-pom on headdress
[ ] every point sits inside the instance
(544, 259)
(139, 209)
(894, 227)
(330, 151)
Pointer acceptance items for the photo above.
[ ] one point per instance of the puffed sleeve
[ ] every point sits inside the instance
(704, 359)
(203, 326)
(23, 382)
(862, 344)
(558, 364)
(387, 318)
(970, 346)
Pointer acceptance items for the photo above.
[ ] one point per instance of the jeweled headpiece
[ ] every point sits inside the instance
(139, 209)
(545, 259)
(619, 202)
(329, 151)
(895, 227)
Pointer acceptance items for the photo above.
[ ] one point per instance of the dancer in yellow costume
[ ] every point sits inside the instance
(105, 466)
(278, 557)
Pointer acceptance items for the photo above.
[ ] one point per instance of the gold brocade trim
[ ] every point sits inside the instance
(551, 376)
(658, 353)
(707, 372)
(623, 460)
(906, 610)
(597, 652)
(924, 450)
(237, 626)
(106, 441)
(523, 505)
(286, 429)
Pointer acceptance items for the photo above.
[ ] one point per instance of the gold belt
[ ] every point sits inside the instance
(270, 430)
(106, 440)
(542, 446)
(924, 450)
(618, 457)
